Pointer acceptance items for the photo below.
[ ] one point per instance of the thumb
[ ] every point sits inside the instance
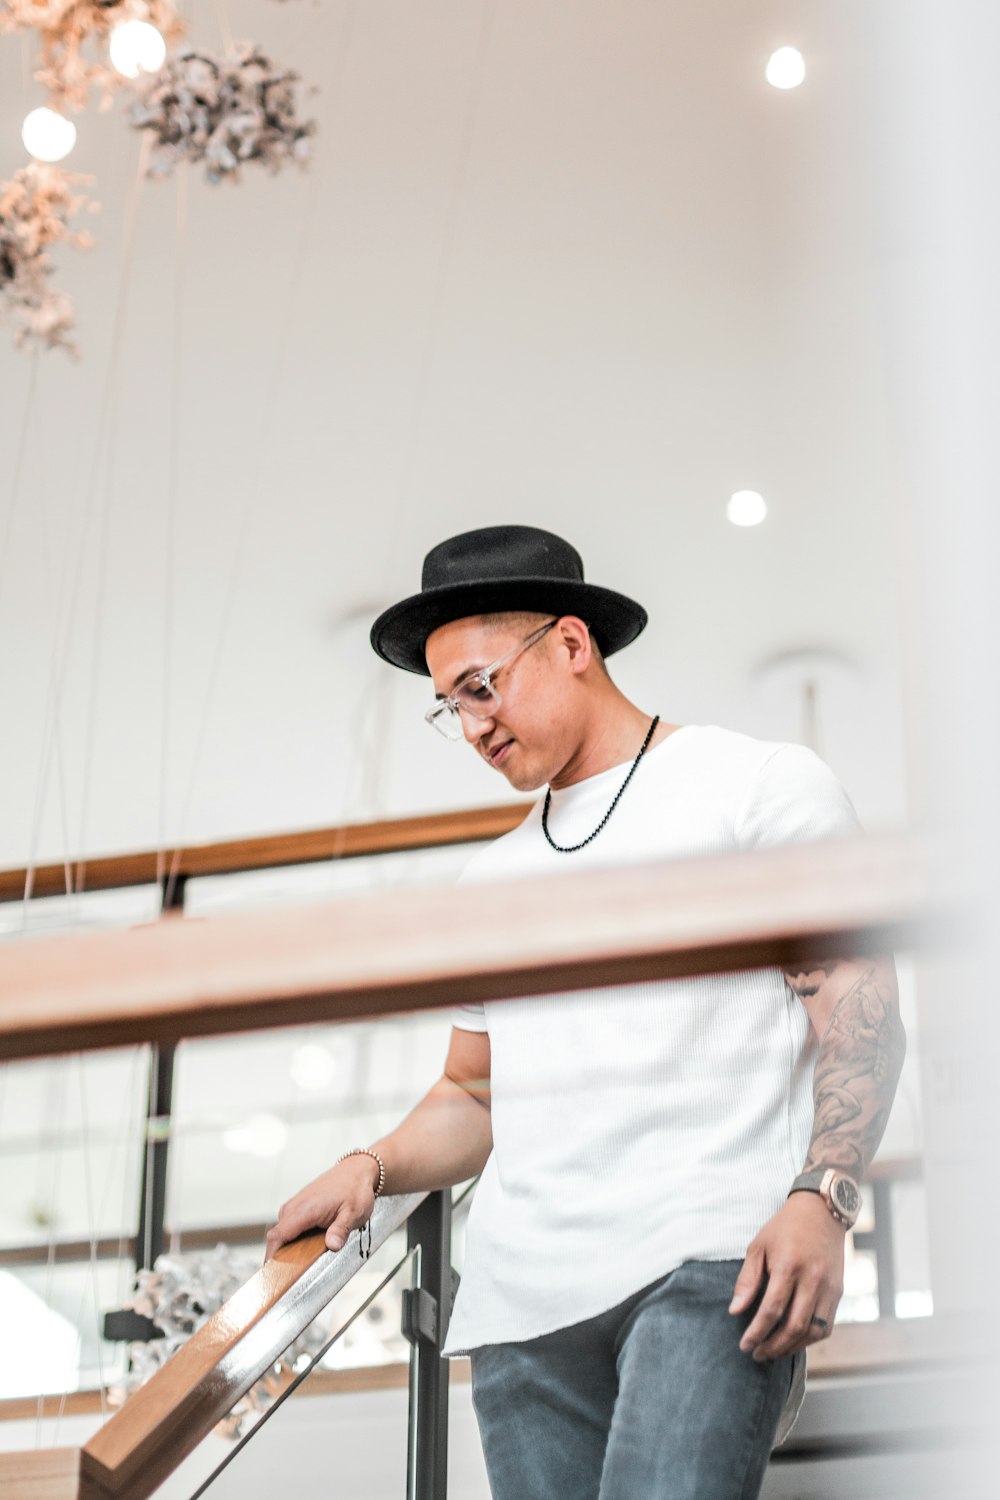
(336, 1235)
(748, 1282)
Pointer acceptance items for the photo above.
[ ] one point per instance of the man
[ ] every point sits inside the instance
(668, 1169)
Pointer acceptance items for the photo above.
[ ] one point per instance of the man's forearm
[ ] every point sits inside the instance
(860, 1058)
(446, 1139)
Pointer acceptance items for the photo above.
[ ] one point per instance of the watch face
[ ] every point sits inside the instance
(846, 1196)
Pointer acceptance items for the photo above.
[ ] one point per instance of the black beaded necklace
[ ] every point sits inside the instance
(572, 848)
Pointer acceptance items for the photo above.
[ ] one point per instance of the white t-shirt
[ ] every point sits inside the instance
(641, 1126)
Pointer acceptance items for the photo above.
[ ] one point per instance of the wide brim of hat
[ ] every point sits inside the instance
(399, 634)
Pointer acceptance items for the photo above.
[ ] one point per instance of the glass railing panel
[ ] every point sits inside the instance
(71, 1132)
(257, 1116)
(300, 1426)
(51, 1317)
(71, 1143)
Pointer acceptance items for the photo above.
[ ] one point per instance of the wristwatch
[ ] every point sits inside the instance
(839, 1192)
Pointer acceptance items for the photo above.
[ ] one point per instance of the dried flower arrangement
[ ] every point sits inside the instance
(36, 206)
(181, 1294)
(67, 27)
(223, 111)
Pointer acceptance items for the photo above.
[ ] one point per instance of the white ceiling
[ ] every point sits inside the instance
(575, 265)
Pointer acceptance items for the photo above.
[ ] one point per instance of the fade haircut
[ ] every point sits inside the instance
(529, 620)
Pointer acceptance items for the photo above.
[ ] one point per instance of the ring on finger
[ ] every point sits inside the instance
(819, 1323)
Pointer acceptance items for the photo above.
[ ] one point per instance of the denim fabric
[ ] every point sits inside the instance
(652, 1400)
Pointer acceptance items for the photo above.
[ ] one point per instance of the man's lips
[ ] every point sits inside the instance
(497, 752)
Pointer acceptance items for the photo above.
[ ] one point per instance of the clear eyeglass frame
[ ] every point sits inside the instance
(476, 694)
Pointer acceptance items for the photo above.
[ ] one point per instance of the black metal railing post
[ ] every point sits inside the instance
(426, 1312)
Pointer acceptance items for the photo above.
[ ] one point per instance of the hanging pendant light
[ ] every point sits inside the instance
(136, 47)
(48, 136)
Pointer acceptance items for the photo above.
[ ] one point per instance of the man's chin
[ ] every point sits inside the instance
(521, 780)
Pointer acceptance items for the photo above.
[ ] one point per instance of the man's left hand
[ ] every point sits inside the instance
(797, 1262)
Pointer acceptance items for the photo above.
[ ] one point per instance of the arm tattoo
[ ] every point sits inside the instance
(860, 1058)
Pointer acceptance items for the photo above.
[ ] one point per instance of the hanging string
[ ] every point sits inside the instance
(91, 1290)
(173, 1213)
(5, 550)
(377, 707)
(57, 1113)
(22, 442)
(100, 613)
(374, 737)
(222, 11)
(105, 432)
(93, 1228)
(136, 1135)
(60, 758)
(432, 331)
(122, 1139)
(112, 385)
(170, 542)
(257, 489)
(367, 749)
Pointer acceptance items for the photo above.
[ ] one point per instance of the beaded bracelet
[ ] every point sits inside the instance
(366, 1151)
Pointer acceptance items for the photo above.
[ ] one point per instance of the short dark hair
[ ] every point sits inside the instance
(529, 620)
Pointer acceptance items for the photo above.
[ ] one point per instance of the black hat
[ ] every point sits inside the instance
(493, 570)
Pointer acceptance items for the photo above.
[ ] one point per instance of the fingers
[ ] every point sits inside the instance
(293, 1220)
(337, 1218)
(821, 1326)
(769, 1315)
(348, 1218)
(748, 1282)
(795, 1329)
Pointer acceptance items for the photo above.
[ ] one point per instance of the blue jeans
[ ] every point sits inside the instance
(652, 1400)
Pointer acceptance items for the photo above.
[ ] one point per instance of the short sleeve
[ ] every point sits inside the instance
(469, 1018)
(793, 798)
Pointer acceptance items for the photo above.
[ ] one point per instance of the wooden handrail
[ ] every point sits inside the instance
(413, 949)
(348, 841)
(134, 1451)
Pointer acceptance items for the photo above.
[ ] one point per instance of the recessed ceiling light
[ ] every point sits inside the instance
(786, 68)
(746, 508)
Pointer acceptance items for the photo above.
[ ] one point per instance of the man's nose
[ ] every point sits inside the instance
(475, 728)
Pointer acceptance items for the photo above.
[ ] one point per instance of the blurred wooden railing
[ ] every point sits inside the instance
(270, 851)
(412, 949)
(401, 951)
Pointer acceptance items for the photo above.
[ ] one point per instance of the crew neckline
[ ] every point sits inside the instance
(579, 789)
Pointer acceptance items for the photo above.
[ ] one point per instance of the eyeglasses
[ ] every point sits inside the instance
(476, 694)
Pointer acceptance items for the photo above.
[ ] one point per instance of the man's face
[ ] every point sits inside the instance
(523, 740)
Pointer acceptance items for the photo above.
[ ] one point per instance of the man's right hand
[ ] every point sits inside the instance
(339, 1201)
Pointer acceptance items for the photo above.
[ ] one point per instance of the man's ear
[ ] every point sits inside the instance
(575, 637)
